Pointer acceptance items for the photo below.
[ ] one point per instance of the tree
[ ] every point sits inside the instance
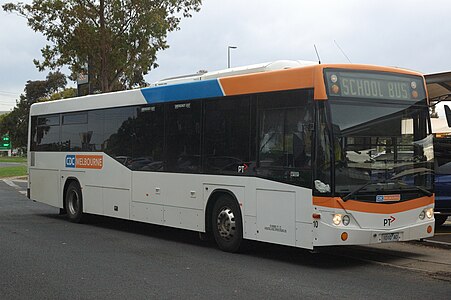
(16, 122)
(117, 39)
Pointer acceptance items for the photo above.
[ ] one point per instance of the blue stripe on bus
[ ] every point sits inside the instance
(183, 91)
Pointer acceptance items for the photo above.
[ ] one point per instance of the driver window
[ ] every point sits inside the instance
(285, 137)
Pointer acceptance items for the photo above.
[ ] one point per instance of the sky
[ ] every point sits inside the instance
(411, 34)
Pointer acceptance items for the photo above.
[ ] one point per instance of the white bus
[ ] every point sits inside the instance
(292, 153)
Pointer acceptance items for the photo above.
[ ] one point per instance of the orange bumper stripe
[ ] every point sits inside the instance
(378, 208)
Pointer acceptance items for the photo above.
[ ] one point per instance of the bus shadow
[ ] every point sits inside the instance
(325, 258)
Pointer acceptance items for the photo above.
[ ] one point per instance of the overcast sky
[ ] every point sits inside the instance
(406, 33)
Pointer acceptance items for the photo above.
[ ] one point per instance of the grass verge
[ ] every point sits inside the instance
(15, 159)
(13, 171)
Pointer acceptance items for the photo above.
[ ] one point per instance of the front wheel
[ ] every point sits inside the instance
(227, 224)
(74, 202)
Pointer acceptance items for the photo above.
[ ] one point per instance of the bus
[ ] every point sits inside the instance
(291, 152)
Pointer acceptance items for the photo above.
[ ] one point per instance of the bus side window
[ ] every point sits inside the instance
(148, 145)
(95, 129)
(118, 131)
(182, 132)
(48, 133)
(226, 135)
(74, 132)
(285, 137)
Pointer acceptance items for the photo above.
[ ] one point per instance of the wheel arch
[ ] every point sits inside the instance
(68, 181)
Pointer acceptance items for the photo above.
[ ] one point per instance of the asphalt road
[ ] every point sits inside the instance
(11, 164)
(43, 256)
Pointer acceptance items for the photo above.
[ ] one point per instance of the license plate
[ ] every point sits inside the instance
(390, 237)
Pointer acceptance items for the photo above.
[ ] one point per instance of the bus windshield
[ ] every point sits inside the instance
(380, 145)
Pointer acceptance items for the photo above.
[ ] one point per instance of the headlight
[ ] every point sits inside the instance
(422, 215)
(429, 213)
(346, 219)
(336, 219)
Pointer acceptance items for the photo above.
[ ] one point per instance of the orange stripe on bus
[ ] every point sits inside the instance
(378, 208)
(290, 79)
(294, 78)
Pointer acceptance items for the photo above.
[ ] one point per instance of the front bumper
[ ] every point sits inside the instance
(330, 235)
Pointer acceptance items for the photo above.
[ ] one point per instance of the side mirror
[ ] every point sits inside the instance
(448, 115)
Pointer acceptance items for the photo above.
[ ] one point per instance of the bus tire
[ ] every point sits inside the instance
(74, 202)
(227, 224)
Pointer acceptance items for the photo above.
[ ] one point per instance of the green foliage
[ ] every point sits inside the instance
(13, 171)
(117, 39)
(16, 122)
(15, 159)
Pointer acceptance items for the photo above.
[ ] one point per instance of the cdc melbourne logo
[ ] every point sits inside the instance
(84, 161)
(70, 161)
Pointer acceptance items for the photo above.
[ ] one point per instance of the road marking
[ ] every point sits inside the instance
(438, 242)
(12, 184)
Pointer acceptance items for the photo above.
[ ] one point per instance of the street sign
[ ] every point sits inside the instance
(5, 143)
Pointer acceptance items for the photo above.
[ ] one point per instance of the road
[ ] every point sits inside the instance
(45, 256)
(11, 164)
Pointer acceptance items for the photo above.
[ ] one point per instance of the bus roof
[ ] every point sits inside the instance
(266, 77)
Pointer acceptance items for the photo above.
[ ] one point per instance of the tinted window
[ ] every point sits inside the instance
(75, 118)
(148, 144)
(95, 130)
(74, 132)
(183, 125)
(48, 133)
(226, 135)
(49, 120)
(322, 177)
(118, 132)
(285, 137)
(34, 127)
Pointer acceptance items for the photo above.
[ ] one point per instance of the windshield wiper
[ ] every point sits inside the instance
(346, 198)
(420, 188)
(400, 182)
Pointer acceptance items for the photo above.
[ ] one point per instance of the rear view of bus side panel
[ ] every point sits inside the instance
(44, 179)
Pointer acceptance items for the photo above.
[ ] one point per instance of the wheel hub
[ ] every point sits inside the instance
(226, 223)
(73, 203)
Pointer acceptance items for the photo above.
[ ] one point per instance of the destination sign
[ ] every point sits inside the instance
(374, 85)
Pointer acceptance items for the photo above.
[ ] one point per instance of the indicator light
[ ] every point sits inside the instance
(344, 236)
(335, 89)
(333, 78)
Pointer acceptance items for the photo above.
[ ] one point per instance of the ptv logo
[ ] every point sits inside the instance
(389, 221)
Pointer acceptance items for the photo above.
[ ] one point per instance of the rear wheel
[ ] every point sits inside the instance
(74, 202)
(227, 224)
(440, 219)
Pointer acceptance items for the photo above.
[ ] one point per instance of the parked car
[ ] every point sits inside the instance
(442, 153)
